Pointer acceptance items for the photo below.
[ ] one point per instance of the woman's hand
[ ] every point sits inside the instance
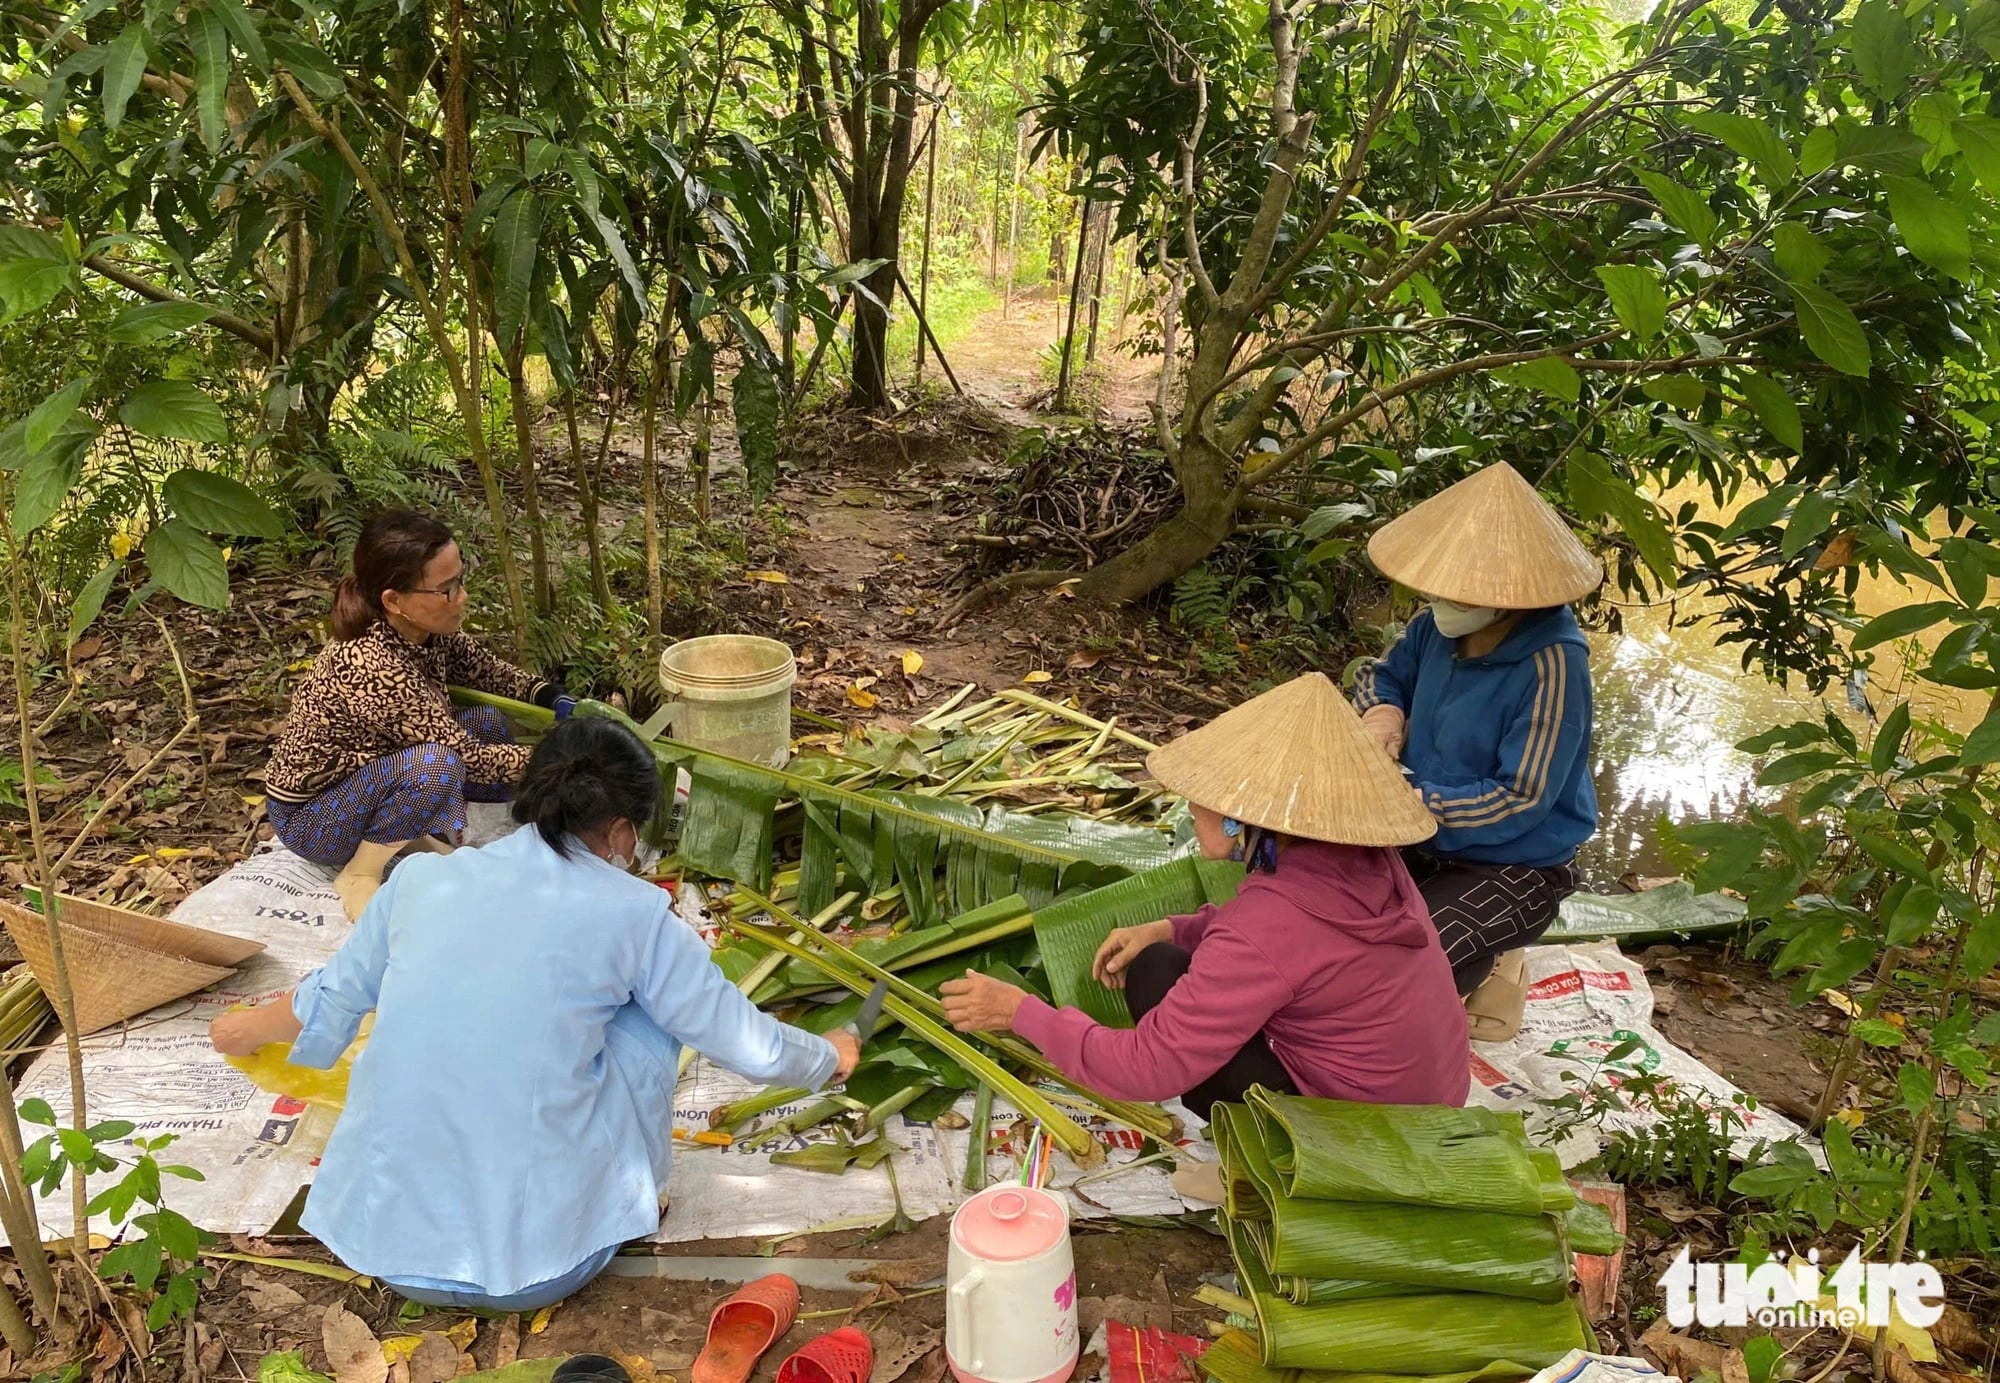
(846, 1047)
(1387, 726)
(979, 1003)
(1122, 947)
(241, 1031)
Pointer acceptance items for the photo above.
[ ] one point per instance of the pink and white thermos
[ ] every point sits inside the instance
(1010, 1308)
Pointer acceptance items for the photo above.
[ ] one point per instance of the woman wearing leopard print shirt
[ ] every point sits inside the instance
(373, 755)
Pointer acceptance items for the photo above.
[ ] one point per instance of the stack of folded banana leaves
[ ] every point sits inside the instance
(1408, 1240)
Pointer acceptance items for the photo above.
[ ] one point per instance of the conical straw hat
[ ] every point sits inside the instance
(1490, 541)
(122, 963)
(1296, 760)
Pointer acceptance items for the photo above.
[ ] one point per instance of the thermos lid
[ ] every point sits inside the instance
(1006, 1224)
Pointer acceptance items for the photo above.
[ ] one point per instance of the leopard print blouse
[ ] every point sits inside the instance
(374, 695)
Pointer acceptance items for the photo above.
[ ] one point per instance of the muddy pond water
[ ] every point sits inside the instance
(1671, 704)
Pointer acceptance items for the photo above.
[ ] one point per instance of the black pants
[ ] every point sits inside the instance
(1481, 910)
(1158, 969)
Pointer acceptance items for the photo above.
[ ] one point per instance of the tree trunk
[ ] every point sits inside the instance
(1101, 250)
(698, 461)
(1197, 528)
(586, 494)
(1014, 223)
(649, 485)
(531, 503)
(924, 267)
(868, 377)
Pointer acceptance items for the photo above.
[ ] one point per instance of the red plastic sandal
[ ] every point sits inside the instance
(845, 1355)
(744, 1326)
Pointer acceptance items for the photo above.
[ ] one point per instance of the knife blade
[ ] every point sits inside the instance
(863, 1026)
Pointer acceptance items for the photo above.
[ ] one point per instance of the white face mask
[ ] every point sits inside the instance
(1455, 621)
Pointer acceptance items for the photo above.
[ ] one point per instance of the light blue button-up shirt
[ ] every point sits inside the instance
(498, 1130)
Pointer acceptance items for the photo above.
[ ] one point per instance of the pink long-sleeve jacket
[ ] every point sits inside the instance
(1333, 958)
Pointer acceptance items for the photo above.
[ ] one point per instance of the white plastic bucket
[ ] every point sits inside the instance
(731, 693)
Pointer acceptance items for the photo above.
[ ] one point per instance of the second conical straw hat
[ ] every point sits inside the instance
(1489, 540)
(1296, 760)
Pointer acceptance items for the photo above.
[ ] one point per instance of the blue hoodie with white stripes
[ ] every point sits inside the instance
(1499, 745)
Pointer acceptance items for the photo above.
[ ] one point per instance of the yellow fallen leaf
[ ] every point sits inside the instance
(862, 697)
(1842, 1002)
(462, 1334)
(121, 545)
(172, 852)
(139, 859)
(397, 1349)
(253, 799)
(909, 609)
(299, 665)
(1039, 676)
(776, 578)
(913, 663)
(1851, 1117)
(1915, 1340)
(541, 1321)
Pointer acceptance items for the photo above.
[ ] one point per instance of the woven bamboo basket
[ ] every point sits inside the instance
(123, 963)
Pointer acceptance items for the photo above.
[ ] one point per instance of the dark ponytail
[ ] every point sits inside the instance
(390, 555)
(584, 775)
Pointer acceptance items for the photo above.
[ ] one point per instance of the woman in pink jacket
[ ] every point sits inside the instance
(1322, 977)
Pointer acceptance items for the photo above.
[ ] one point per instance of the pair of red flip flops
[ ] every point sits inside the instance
(755, 1317)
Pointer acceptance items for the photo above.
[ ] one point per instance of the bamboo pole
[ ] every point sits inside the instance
(586, 494)
(924, 327)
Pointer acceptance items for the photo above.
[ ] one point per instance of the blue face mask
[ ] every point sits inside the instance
(1265, 856)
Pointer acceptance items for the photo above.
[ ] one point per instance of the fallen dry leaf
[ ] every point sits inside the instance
(913, 663)
(776, 578)
(352, 1351)
(1685, 1358)
(1902, 1369)
(896, 1353)
(435, 1359)
(1960, 1334)
(86, 648)
(274, 1299)
(507, 1344)
(861, 697)
(1038, 676)
(541, 1320)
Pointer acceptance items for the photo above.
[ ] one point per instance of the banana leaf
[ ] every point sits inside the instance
(1149, 1119)
(1247, 1245)
(1070, 931)
(856, 974)
(909, 950)
(1589, 1229)
(1437, 1333)
(1419, 1246)
(1236, 1358)
(1469, 1159)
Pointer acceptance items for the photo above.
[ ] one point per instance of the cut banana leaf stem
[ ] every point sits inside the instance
(895, 1104)
(812, 1116)
(731, 1117)
(975, 1153)
(1208, 1294)
(1071, 1136)
(932, 718)
(1149, 1119)
(1047, 707)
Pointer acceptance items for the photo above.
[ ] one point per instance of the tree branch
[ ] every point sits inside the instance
(222, 321)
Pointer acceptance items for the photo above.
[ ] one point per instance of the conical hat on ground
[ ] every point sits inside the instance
(1296, 760)
(122, 963)
(1489, 541)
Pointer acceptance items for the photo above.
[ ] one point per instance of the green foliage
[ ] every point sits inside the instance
(161, 1262)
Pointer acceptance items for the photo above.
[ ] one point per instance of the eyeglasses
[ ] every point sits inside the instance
(450, 590)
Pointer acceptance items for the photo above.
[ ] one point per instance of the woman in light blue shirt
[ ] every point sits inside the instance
(510, 1123)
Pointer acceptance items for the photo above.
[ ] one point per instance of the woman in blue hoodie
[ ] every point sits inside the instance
(1485, 699)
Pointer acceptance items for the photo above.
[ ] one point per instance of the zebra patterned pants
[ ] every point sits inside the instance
(1482, 910)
